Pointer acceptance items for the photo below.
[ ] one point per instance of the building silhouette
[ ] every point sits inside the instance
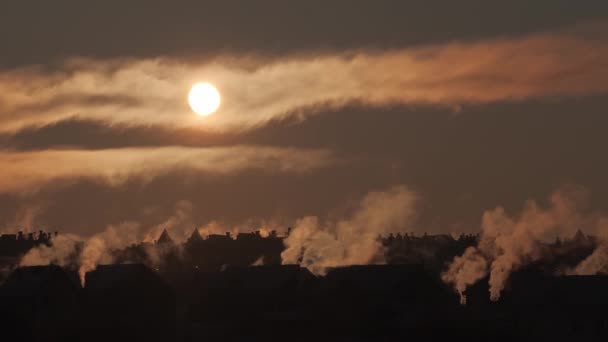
(214, 288)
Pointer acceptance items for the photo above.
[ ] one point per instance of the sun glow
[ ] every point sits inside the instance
(204, 99)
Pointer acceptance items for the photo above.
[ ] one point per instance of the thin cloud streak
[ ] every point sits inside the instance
(28, 171)
(572, 62)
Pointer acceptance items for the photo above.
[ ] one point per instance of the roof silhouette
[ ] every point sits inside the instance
(165, 238)
(579, 237)
(195, 236)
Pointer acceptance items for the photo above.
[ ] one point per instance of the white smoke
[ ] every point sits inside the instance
(88, 253)
(351, 241)
(98, 249)
(179, 225)
(466, 270)
(596, 262)
(61, 251)
(25, 219)
(509, 243)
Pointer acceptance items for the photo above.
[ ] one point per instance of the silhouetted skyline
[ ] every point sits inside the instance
(378, 170)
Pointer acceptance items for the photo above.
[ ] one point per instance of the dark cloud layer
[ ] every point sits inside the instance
(91, 134)
(83, 100)
(35, 32)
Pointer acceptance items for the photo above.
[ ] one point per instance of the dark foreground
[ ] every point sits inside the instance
(287, 303)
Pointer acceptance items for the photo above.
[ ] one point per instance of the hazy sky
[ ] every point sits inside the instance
(469, 104)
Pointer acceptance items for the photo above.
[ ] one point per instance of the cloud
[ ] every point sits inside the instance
(91, 134)
(27, 171)
(569, 62)
(418, 146)
(350, 241)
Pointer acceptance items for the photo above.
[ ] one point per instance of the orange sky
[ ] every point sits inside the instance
(469, 112)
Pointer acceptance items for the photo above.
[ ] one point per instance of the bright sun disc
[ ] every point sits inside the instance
(204, 99)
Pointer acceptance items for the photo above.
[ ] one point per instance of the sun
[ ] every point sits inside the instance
(204, 99)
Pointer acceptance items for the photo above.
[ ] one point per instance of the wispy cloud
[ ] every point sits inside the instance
(569, 62)
(26, 171)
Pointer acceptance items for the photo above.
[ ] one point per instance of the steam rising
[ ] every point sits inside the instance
(87, 253)
(596, 262)
(179, 225)
(98, 248)
(25, 218)
(319, 246)
(61, 252)
(466, 270)
(509, 243)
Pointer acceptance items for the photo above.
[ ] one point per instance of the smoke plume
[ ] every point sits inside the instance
(25, 218)
(98, 249)
(319, 246)
(179, 225)
(596, 262)
(466, 270)
(86, 254)
(509, 243)
(61, 251)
